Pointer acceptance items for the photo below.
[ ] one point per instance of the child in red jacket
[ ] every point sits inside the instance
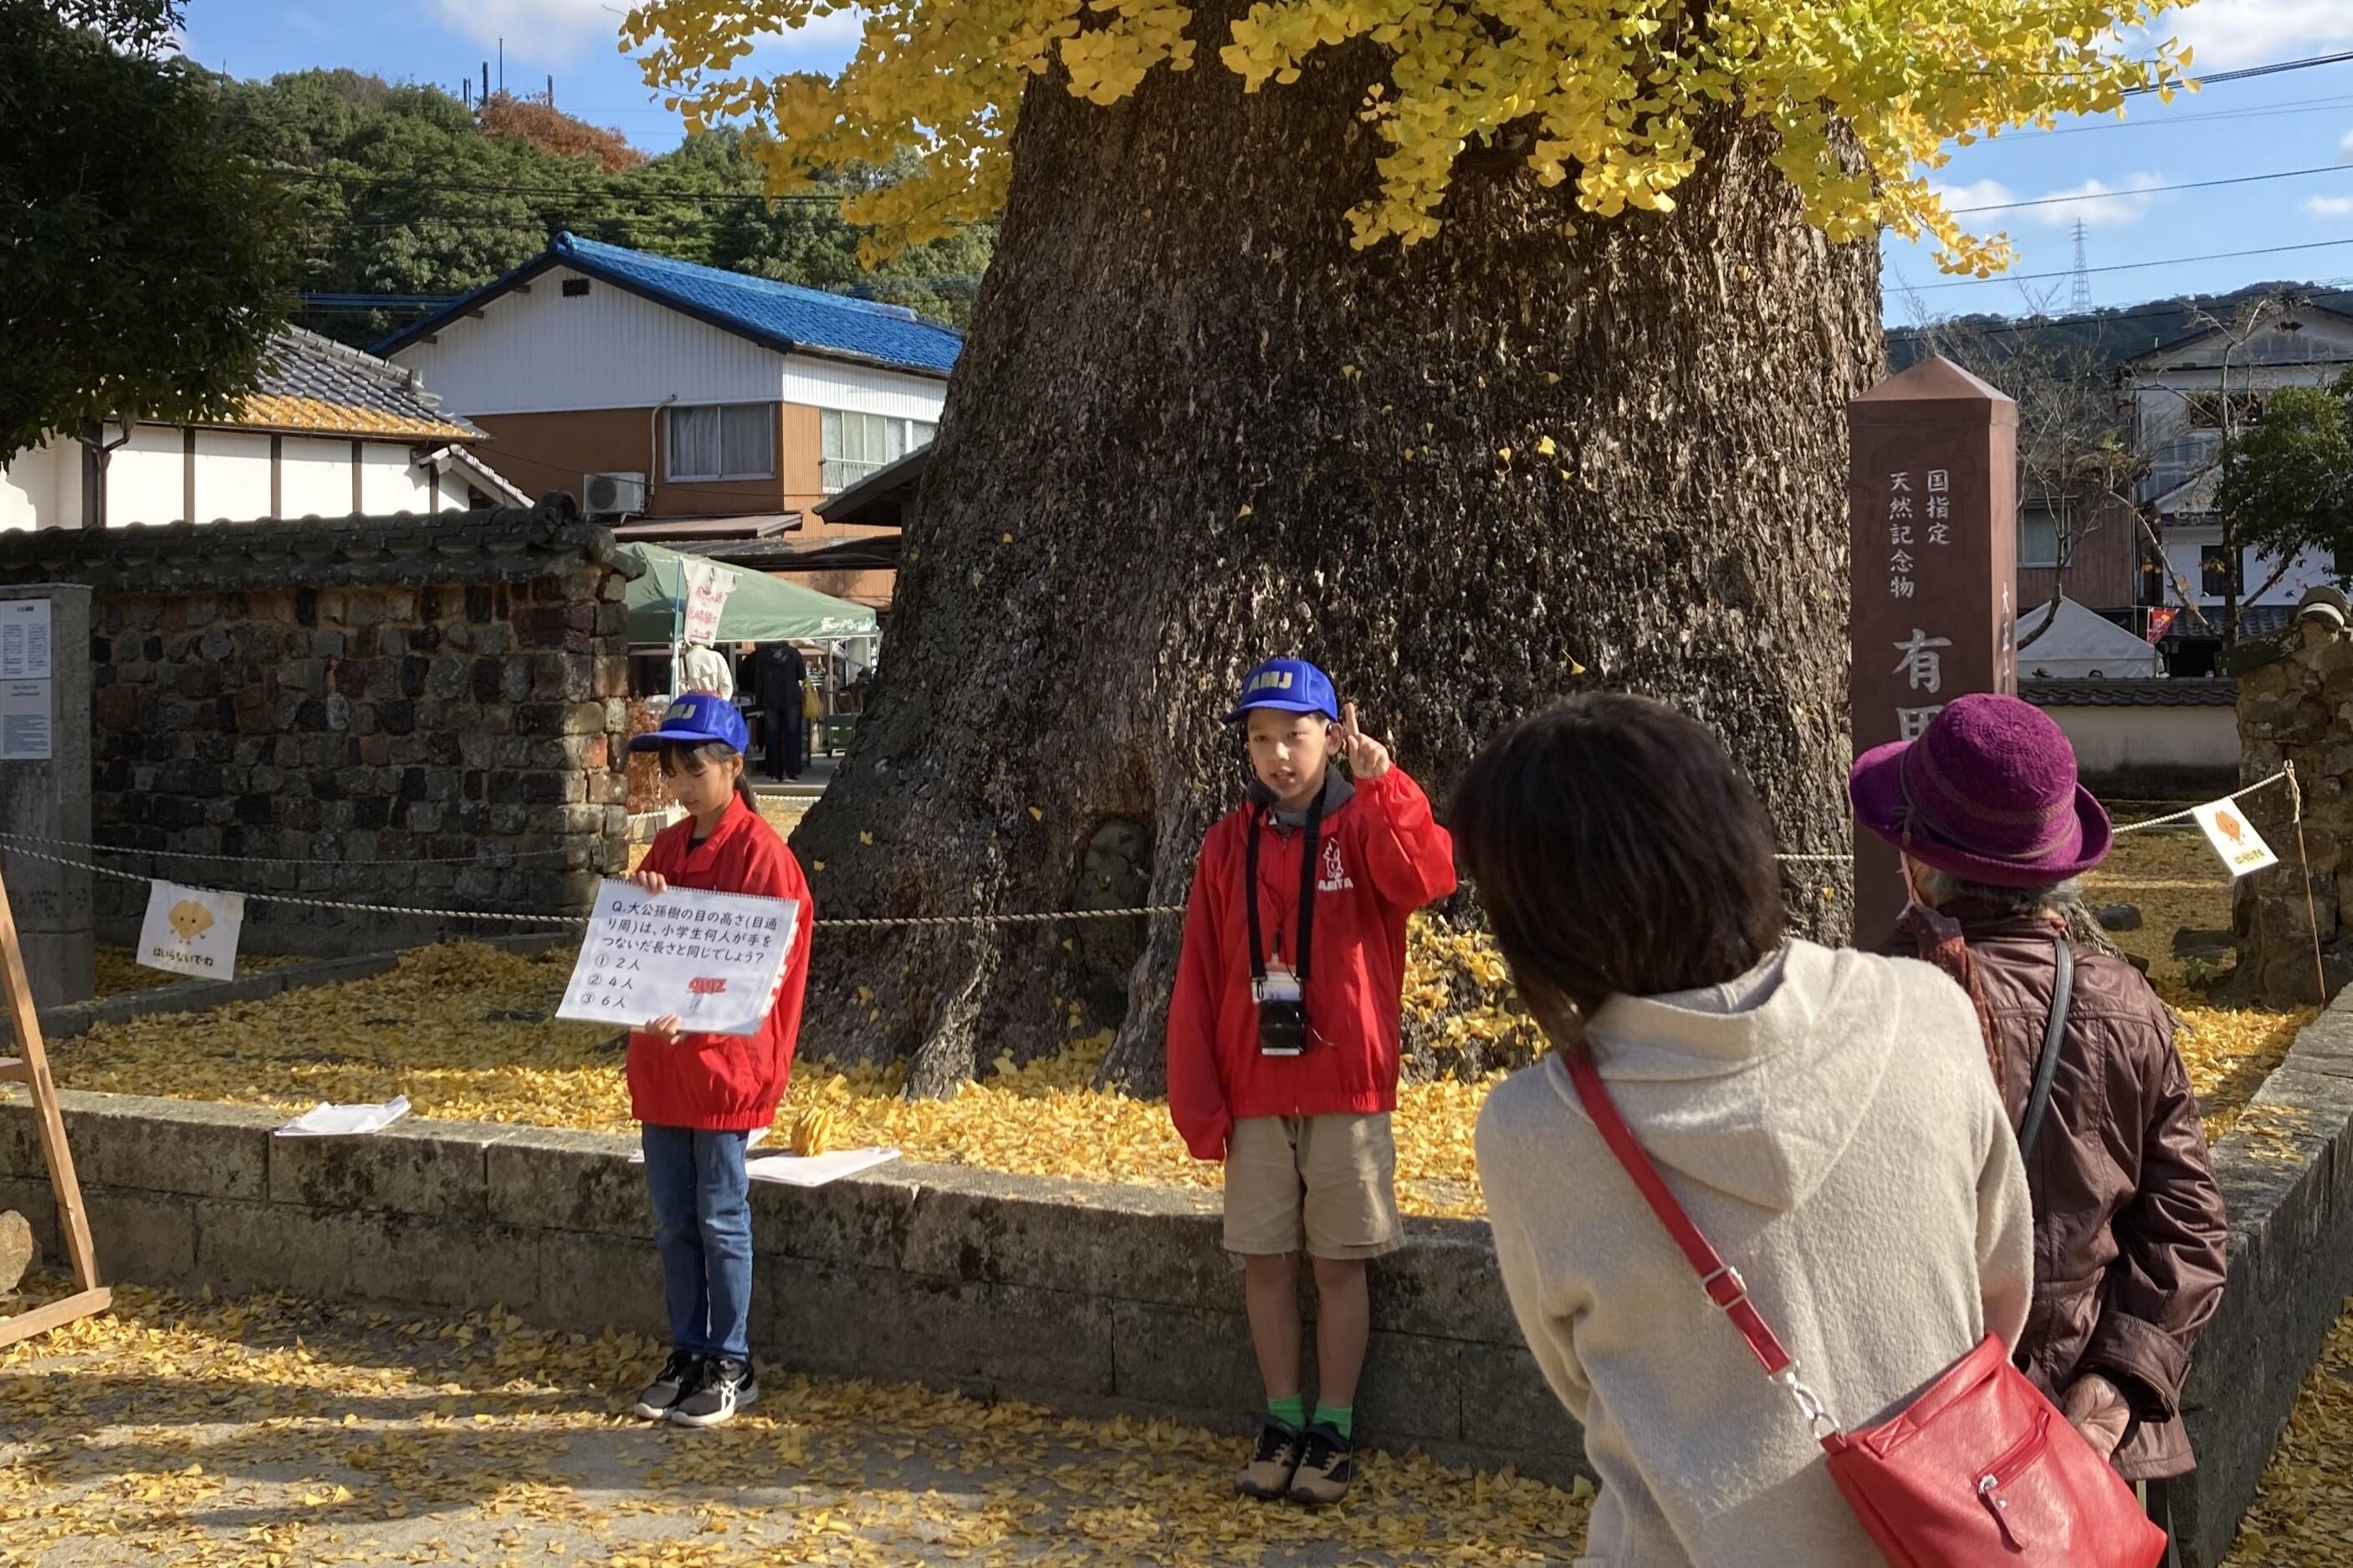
(1283, 1045)
(701, 1096)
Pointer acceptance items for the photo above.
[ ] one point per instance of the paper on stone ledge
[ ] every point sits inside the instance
(817, 1170)
(638, 1156)
(342, 1120)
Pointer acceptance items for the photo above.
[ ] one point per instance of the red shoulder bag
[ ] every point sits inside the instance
(1980, 1468)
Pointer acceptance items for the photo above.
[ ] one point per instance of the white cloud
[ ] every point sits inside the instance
(2227, 34)
(2328, 206)
(536, 30)
(2097, 203)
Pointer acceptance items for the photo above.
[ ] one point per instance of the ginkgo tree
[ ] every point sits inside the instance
(1482, 350)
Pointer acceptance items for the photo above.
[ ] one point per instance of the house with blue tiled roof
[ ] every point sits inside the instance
(656, 389)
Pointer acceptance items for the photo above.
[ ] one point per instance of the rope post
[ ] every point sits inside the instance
(2304, 865)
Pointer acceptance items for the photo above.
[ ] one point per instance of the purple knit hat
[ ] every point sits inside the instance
(1988, 793)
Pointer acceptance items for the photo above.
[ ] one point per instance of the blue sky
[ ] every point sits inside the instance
(2301, 120)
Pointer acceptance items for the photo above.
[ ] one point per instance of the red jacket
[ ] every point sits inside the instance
(1383, 857)
(726, 1083)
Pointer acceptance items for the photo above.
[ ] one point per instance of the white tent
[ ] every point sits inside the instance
(2081, 646)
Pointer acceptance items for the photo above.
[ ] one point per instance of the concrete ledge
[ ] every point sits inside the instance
(1094, 1298)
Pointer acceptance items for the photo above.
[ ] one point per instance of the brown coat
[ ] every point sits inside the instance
(2128, 1224)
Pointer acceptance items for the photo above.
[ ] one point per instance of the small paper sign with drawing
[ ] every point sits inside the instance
(713, 958)
(191, 930)
(2234, 838)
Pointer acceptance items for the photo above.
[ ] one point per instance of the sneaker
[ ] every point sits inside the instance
(723, 1385)
(1326, 1465)
(1268, 1474)
(677, 1375)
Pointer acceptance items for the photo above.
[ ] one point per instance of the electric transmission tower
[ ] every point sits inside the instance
(2081, 302)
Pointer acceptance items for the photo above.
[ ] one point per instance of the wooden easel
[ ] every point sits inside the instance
(32, 1069)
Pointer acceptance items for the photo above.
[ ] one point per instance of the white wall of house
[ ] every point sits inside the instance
(232, 474)
(42, 486)
(546, 353)
(147, 479)
(2145, 740)
(2185, 544)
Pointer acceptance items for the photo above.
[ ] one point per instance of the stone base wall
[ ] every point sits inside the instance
(443, 696)
(1092, 1298)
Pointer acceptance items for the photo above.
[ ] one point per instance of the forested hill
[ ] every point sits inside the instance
(2099, 342)
(406, 192)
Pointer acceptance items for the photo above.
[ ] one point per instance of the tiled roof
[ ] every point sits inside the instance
(2189, 693)
(2255, 620)
(781, 316)
(311, 383)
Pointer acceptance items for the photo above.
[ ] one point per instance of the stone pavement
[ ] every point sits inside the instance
(272, 1431)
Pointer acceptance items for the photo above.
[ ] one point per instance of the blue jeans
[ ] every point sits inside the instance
(703, 1229)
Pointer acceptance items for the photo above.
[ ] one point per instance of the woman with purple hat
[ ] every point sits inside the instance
(2128, 1226)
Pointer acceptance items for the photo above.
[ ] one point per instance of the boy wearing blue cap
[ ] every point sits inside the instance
(1284, 1041)
(700, 1096)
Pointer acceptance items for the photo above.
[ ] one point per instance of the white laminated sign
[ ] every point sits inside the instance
(191, 930)
(707, 584)
(713, 958)
(2234, 837)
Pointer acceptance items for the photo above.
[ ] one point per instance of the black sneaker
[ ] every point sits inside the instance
(723, 1385)
(1273, 1462)
(677, 1375)
(1326, 1466)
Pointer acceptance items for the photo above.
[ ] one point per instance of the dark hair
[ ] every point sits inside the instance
(1616, 851)
(694, 759)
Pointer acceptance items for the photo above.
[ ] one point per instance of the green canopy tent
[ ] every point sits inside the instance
(760, 609)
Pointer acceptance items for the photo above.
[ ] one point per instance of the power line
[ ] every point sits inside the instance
(2136, 265)
(2099, 319)
(2167, 122)
(2278, 67)
(2160, 190)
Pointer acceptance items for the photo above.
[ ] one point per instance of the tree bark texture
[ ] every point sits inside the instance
(1192, 427)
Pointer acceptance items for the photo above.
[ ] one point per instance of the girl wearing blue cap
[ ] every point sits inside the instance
(1283, 1043)
(698, 1096)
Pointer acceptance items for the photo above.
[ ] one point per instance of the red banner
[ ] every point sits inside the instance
(2161, 621)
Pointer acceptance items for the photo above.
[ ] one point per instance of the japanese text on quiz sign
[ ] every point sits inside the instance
(1919, 527)
(713, 958)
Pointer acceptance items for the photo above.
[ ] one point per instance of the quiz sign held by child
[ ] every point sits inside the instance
(711, 960)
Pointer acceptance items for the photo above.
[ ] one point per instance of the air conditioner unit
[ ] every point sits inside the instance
(611, 495)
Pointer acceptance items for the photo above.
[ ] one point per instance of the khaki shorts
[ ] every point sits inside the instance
(1332, 1177)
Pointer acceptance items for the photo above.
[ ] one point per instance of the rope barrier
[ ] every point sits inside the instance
(2185, 816)
(905, 922)
(901, 922)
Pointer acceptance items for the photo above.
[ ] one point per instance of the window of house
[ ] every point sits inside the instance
(2038, 534)
(2215, 576)
(855, 445)
(722, 441)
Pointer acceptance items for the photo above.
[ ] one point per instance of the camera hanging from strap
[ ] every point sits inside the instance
(1307, 861)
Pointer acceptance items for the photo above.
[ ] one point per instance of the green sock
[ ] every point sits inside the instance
(1290, 1410)
(1340, 1418)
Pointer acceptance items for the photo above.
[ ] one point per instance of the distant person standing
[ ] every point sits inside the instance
(812, 715)
(777, 675)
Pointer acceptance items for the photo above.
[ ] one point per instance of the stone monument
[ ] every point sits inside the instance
(44, 782)
(1934, 489)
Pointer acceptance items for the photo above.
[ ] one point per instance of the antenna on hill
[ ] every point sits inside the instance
(2080, 302)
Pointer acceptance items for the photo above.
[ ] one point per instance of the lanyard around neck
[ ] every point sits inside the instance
(1314, 832)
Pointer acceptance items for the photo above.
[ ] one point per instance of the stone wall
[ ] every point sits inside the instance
(443, 694)
(1093, 1297)
(2296, 706)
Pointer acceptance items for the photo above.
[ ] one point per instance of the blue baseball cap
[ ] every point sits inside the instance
(697, 718)
(1287, 686)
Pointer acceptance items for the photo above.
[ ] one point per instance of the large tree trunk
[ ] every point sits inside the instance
(1192, 427)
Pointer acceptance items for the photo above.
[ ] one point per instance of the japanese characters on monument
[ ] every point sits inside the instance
(1933, 486)
(712, 959)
